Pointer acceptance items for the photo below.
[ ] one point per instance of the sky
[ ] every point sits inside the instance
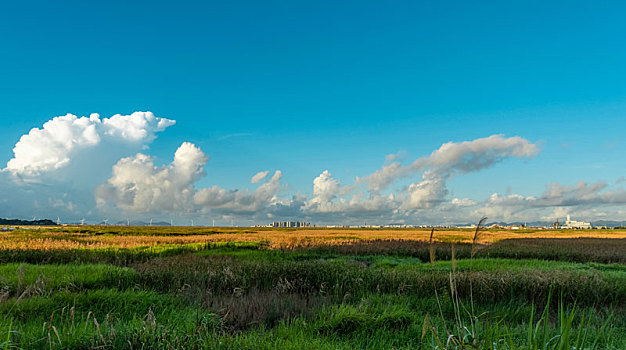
(331, 112)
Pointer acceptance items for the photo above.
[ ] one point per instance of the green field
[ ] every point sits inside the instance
(362, 294)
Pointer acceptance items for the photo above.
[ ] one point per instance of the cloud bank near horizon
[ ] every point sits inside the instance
(38, 176)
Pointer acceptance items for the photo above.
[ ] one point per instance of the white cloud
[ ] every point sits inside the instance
(447, 161)
(390, 173)
(264, 197)
(582, 199)
(452, 158)
(581, 193)
(139, 185)
(325, 187)
(557, 195)
(139, 126)
(469, 156)
(463, 202)
(60, 139)
(325, 190)
(400, 155)
(428, 193)
(259, 176)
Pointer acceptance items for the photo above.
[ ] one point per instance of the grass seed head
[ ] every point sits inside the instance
(431, 248)
(453, 256)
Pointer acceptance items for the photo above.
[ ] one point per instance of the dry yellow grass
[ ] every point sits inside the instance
(276, 238)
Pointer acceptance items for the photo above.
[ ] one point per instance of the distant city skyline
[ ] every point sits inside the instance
(333, 113)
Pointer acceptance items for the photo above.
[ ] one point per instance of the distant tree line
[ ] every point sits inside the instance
(18, 222)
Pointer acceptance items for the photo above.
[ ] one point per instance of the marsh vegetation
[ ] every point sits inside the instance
(186, 288)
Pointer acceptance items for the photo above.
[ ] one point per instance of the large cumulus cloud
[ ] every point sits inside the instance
(55, 144)
(139, 185)
(55, 167)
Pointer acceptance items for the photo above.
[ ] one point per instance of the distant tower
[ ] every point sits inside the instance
(556, 224)
(58, 220)
(568, 218)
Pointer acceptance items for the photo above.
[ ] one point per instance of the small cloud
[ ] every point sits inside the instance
(464, 202)
(396, 157)
(259, 176)
(229, 136)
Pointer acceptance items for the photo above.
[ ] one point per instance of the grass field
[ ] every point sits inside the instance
(236, 288)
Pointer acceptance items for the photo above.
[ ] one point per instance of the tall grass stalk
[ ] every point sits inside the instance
(432, 251)
(464, 337)
(473, 252)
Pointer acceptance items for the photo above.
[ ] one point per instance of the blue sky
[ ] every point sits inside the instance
(307, 87)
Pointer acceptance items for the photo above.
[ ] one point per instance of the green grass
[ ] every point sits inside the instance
(104, 317)
(365, 295)
(16, 278)
(122, 320)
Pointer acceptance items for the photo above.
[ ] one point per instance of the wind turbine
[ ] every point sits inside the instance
(213, 222)
(191, 222)
(106, 222)
(58, 220)
(150, 221)
(127, 222)
(82, 222)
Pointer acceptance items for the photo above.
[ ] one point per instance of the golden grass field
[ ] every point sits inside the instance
(127, 237)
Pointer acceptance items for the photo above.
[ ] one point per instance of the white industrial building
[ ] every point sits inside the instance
(572, 224)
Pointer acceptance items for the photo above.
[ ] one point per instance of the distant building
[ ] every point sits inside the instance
(296, 224)
(472, 226)
(572, 224)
